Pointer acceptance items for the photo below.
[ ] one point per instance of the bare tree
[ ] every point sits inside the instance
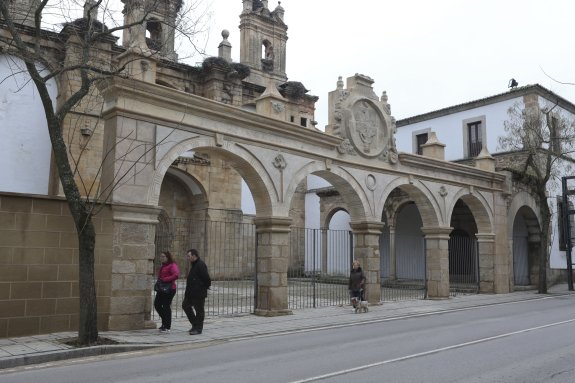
(543, 139)
(24, 34)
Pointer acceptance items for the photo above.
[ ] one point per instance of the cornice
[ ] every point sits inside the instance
(447, 167)
(514, 93)
(175, 100)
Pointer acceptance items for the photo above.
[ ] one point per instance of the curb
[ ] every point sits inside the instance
(54, 356)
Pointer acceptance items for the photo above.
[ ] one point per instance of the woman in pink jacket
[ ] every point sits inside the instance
(169, 272)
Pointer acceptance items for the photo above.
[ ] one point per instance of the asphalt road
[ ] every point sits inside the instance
(531, 341)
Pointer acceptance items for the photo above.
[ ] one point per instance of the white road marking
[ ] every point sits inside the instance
(430, 352)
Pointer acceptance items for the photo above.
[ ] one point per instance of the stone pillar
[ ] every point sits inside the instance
(366, 250)
(392, 254)
(437, 261)
(433, 148)
(503, 252)
(273, 235)
(132, 267)
(486, 248)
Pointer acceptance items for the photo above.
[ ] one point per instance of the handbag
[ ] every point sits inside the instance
(162, 287)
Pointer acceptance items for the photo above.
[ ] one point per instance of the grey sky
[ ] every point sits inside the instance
(426, 54)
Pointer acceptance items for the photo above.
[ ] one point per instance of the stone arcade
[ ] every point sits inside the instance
(240, 120)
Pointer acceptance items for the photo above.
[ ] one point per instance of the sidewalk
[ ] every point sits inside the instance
(22, 351)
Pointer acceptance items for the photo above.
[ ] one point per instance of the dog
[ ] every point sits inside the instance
(359, 306)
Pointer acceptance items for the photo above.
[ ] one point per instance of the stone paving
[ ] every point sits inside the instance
(45, 348)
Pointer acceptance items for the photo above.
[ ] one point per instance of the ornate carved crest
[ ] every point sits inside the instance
(363, 120)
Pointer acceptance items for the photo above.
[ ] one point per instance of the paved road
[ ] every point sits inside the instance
(532, 341)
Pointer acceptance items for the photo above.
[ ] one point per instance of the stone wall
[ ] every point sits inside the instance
(39, 266)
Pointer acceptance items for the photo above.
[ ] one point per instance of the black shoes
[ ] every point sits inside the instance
(194, 331)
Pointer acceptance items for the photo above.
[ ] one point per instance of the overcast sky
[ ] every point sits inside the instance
(426, 54)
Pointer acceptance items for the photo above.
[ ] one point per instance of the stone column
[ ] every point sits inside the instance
(392, 254)
(437, 261)
(132, 267)
(366, 250)
(273, 235)
(486, 248)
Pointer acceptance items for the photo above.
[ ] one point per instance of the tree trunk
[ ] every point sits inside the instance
(544, 249)
(88, 321)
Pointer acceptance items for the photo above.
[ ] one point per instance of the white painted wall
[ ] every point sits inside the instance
(25, 148)
(449, 129)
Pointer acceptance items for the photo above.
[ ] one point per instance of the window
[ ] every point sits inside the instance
(420, 140)
(303, 121)
(474, 135)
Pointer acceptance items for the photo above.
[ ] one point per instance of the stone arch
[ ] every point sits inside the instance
(254, 174)
(350, 190)
(524, 246)
(479, 208)
(520, 200)
(329, 215)
(426, 204)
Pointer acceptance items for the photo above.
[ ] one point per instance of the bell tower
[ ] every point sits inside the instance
(263, 38)
(159, 27)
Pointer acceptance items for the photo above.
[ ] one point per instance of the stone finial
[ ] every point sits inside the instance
(265, 3)
(279, 10)
(248, 6)
(384, 97)
(339, 83)
(91, 10)
(225, 48)
(485, 161)
(433, 148)
(271, 103)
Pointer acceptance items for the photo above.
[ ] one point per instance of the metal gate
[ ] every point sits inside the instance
(403, 274)
(229, 250)
(463, 265)
(521, 261)
(318, 267)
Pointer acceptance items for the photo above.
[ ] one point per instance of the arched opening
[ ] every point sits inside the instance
(202, 198)
(321, 244)
(402, 249)
(154, 34)
(463, 251)
(525, 248)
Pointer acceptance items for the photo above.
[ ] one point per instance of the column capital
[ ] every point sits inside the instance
(436, 231)
(366, 227)
(136, 213)
(273, 224)
(485, 237)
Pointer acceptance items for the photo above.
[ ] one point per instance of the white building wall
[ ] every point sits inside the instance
(25, 148)
(450, 129)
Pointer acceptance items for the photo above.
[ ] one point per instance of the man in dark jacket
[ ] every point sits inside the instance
(197, 287)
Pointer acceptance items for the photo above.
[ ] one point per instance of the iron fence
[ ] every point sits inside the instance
(229, 250)
(403, 273)
(463, 265)
(318, 267)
